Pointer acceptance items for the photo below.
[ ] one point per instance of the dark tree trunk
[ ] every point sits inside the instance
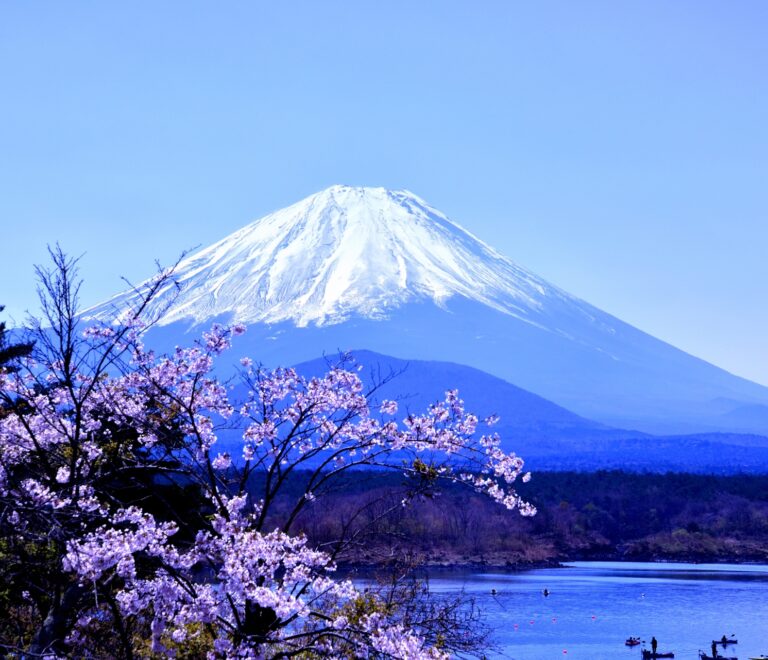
(56, 626)
(258, 621)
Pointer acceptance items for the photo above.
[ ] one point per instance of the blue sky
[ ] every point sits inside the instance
(618, 149)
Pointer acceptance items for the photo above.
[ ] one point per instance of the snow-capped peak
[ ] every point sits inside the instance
(342, 252)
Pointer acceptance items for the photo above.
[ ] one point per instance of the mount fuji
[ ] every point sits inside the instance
(382, 270)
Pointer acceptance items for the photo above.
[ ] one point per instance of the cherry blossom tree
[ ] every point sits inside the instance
(128, 530)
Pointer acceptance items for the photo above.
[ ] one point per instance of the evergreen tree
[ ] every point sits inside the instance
(9, 352)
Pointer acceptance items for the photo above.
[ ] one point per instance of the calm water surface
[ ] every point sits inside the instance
(594, 606)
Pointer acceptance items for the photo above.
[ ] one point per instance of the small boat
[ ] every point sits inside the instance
(759, 657)
(724, 641)
(632, 641)
(704, 656)
(650, 655)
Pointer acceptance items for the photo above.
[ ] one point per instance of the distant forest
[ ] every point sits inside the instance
(600, 515)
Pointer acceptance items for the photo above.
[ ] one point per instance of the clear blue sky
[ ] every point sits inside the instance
(619, 149)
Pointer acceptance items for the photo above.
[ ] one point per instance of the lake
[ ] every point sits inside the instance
(594, 606)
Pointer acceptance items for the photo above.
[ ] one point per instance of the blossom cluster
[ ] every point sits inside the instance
(80, 436)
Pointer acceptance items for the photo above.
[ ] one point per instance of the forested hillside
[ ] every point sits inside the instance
(609, 515)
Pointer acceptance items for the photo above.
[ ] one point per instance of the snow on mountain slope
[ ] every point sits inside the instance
(348, 251)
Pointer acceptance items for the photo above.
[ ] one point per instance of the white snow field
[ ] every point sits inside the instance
(348, 251)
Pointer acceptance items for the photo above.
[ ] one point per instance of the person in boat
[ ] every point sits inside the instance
(724, 640)
(654, 645)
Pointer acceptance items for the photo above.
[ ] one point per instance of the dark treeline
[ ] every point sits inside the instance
(601, 515)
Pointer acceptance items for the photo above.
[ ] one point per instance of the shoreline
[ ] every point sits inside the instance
(482, 564)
